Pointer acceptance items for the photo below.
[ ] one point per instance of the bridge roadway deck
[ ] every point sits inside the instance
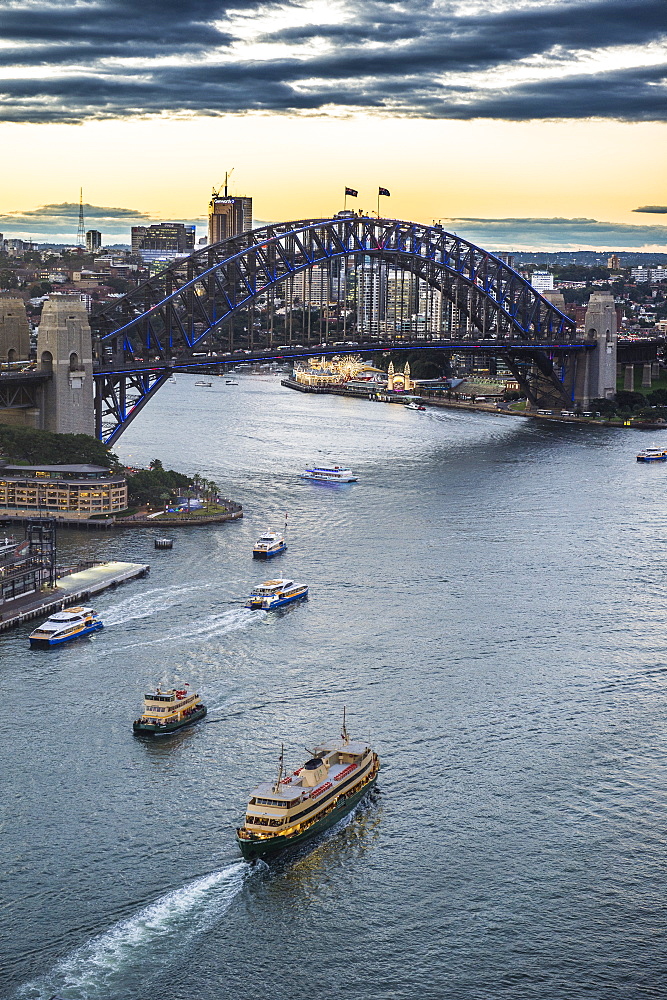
(267, 354)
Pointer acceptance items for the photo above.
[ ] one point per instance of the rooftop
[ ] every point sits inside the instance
(55, 468)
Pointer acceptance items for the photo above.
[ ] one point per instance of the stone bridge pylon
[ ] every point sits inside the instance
(65, 351)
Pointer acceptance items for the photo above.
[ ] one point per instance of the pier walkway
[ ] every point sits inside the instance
(71, 589)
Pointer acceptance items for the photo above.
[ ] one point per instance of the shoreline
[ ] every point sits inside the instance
(474, 407)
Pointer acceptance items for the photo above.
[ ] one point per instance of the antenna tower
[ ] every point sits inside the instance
(81, 234)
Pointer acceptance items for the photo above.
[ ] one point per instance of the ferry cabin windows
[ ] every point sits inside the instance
(264, 821)
(270, 802)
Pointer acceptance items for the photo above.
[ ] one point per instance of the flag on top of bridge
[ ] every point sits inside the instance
(384, 191)
(351, 193)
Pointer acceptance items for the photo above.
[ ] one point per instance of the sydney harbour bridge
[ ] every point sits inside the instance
(234, 300)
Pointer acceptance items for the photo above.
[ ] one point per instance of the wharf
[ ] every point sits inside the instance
(71, 589)
(339, 390)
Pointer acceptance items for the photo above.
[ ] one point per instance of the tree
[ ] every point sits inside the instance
(8, 279)
(630, 400)
(658, 397)
(606, 407)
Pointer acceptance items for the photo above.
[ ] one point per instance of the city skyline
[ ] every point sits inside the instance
(519, 126)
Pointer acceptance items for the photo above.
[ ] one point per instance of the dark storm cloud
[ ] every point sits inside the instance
(384, 55)
(652, 209)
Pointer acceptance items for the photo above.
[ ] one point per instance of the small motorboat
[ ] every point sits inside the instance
(414, 406)
(206, 385)
(230, 381)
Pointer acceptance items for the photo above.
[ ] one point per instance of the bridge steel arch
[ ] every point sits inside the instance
(168, 316)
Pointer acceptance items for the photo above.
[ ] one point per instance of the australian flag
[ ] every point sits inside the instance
(384, 191)
(351, 193)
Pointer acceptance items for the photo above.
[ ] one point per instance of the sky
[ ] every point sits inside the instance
(519, 124)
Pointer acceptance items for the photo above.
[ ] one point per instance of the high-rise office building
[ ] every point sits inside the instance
(228, 216)
(174, 236)
(371, 296)
(93, 239)
(313, 285)
(614, 262)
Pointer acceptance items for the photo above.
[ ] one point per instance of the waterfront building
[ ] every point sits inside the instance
(93, 239)
(72, 492)
(165, 236)
(228, 216)
(339, 370)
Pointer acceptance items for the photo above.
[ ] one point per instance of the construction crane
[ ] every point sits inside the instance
(228, 174)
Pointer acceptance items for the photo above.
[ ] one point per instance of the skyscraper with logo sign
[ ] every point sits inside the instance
(228, 216)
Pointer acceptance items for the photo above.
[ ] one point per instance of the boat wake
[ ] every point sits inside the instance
(148, 602)
(100, 968)
(201, 629)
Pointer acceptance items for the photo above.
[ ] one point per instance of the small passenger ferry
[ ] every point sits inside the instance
(166, 711)
(330, 474)
(274, 594)
(64, 626)
(268, 546)
(300, 805)
(652, 455)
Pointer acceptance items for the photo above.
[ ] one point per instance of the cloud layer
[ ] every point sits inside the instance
(557, 234)
(58, 223)
(510, 59)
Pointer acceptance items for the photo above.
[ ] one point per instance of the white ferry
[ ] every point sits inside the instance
(274, 594)
(652, 455)
(66, 625)
(268, 546)
(206, 385)
(330, 474)
(302, 804)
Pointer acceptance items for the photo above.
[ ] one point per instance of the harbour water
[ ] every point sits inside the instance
(488, 601)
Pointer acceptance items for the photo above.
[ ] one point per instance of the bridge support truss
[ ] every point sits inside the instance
(168, 317)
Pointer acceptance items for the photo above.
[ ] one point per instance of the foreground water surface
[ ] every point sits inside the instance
(489, 603)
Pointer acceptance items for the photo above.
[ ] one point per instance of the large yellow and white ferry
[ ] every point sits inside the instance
(166, 711)
(300, 805)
